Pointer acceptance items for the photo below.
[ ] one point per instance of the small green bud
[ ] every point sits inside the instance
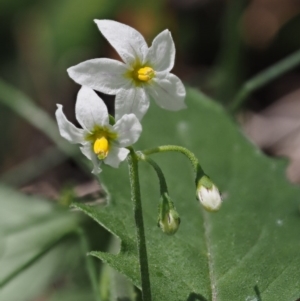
(168, 219)
(170, 223)
(208, 194)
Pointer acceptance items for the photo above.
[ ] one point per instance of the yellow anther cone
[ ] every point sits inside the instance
(145, 74)
(101, 148)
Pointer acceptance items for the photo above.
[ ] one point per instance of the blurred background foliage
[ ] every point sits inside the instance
(220, 44)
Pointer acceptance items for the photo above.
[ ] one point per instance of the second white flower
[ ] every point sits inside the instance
(100, 141)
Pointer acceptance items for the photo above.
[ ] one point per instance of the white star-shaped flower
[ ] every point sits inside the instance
(145, 71)
(100, 141)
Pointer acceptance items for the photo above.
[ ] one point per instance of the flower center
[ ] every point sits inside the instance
(145, 74)
(101, 147)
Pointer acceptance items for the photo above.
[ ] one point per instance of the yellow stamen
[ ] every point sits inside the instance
(145, 74)
(101, 147)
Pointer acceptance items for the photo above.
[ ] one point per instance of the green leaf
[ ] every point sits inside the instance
(31, 231)
(249, 250)
(114, 286)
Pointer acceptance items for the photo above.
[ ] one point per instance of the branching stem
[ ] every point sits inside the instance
(162, 181)
(193, 159)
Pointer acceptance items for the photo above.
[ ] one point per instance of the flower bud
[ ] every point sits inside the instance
(208, 194)
(168, 219)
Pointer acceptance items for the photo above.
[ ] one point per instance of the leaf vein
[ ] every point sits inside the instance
(212, 278)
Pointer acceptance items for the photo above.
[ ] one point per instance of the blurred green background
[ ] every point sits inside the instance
(220, 44)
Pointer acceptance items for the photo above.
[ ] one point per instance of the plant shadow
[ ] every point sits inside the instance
(257, 292)
(196, 297)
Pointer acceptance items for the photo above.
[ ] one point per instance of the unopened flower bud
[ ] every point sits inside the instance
(168, 219)
(208, 194)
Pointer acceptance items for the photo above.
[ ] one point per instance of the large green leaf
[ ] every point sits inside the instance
(249, 250)
(33, 248)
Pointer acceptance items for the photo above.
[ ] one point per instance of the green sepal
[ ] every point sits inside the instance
(206, 182)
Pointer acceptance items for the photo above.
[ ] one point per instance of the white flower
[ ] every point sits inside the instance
(208, 194)
(100, 141)
(146, 71)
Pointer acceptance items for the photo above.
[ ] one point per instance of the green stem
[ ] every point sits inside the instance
(162, 181)
(140, 231)
(199, 172)
(263, 78)
(90, 266)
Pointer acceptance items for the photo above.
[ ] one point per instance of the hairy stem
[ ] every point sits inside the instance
(139, 222)
(162, 181)
(193, 159)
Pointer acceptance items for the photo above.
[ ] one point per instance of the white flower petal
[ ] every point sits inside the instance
(161, 54)
(210, 198)
(127, 41)
(67, 129)
(90, 109)
(104, 75)
(129, 130)
(169, 92)
(88, 152)
(116, 156)
(131, 100)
